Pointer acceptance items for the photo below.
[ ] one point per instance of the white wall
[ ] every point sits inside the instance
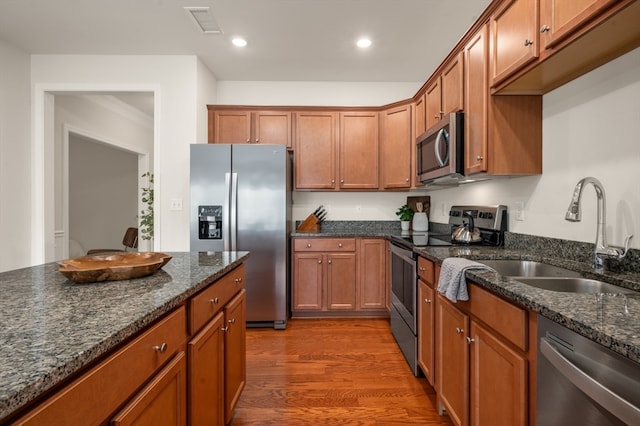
(173, 80)
(15, 159)
(591, 127)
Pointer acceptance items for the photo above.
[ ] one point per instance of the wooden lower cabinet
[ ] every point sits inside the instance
(483, 360)
(428, 273)
(498, 381)
(339, 276)
(161, 402)
(235, 360)
(452, 362)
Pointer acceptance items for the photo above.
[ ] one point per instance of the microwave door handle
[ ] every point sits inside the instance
(442, 134)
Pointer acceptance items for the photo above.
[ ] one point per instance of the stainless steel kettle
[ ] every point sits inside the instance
(467, 232)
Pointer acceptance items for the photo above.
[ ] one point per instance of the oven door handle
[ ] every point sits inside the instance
(405, 254)
(612, 402)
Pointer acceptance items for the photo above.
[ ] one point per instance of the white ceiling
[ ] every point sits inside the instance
(289, 40)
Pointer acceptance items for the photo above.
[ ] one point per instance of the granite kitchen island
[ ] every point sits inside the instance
(54, 329)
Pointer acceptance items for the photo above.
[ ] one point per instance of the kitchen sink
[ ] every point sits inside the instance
(527, 268)
(574, 285)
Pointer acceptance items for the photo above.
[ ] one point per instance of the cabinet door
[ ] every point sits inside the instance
(420, 114)
(307, 281)
(498, 381)
(372, 283)
(359, 150)
(162, 402)
(272, 127)
(434, 103)
(452, 85)
(514, 37)
(426, 330)
(232, 127)
(315, 150)
(475, 105)
(235, 359)
(397, 144)
(206, 374)
(341, 281)
(559, 18)
(453, 361)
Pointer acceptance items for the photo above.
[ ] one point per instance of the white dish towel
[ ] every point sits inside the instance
(452, 282)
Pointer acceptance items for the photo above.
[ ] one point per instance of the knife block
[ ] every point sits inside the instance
(310, 225)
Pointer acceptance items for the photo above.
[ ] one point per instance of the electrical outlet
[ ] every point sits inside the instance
(519, 210)
(175, 204)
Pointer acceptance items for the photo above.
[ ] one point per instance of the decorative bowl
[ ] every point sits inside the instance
(113, 266)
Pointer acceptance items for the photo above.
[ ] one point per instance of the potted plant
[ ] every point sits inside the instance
(405, 214)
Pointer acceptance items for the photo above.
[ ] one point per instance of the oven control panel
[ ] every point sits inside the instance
(486, 217)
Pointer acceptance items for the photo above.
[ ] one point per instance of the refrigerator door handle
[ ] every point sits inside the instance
(225, 212)
(234, 212)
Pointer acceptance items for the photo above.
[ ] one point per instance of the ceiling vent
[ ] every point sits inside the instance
(204, 20)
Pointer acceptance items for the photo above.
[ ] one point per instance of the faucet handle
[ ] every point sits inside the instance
(615, 252)
(626, 246)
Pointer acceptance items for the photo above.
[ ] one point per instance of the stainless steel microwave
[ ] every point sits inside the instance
(440, 150)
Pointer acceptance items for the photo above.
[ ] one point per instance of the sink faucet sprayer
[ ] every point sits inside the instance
(574, 214)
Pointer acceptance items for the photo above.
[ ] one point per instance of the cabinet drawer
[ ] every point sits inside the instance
(507, 319)
(324, 244)
(206, 304)
(426, 271)
(96, 394)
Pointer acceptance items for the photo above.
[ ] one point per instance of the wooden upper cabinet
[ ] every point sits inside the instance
(420, 115)
(358, 152)
(272, 127)
(244, 126)
(315, 150)
(514, 38)
(475, 103)
(231, 127)
(445, 93)
(396, 146)
(559, 18)
(433, 102)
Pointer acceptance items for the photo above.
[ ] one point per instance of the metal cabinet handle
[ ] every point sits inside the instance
(238, 280)
(528, 42)
(224, 329)
(479, 158)
(340, 245)
(459, 330)
(248, 140)
(341, 180)
(436, 116)
(470, 340)
(427, 300)
(257, 141)
(160, 348)
(333, 181)
(319, 261)
(309, 245)
(214, 300)
(406, 180)
(421, 268)
(544, 28)
(232, 321)
(329, 261)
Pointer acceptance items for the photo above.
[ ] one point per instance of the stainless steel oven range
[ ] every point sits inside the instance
(404, 282)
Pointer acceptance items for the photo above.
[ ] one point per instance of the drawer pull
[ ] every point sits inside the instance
(319, 261)
(309, 245)
(421, 269)
(459, 330)
(528, 42)
(238, 280)
(340, 245)
(160, 348)
(427, 300)
(470, 340)
(232, 321)
(224, 329)
(214, 300)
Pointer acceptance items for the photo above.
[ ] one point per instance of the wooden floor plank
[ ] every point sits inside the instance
(332, 372)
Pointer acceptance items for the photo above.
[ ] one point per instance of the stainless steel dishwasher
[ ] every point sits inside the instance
(580, 382)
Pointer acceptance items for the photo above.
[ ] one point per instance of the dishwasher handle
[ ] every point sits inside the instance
(616, 405)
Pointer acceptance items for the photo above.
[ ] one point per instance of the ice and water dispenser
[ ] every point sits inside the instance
(209, 222)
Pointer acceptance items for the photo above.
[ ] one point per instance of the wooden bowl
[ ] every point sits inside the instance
(113, 266)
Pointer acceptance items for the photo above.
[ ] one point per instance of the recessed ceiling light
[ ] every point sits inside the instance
(239, 41)
(363, 43)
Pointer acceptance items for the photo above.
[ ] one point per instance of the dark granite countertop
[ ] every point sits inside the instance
(52, 327)
(611, 320)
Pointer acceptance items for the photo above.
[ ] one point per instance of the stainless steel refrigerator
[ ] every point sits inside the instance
(241, 201)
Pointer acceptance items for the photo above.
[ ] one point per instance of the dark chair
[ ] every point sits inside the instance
(130, 241)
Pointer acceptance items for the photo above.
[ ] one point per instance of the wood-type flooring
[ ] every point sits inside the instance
(332, 372)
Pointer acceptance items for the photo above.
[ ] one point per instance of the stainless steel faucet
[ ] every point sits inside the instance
(574, 214)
